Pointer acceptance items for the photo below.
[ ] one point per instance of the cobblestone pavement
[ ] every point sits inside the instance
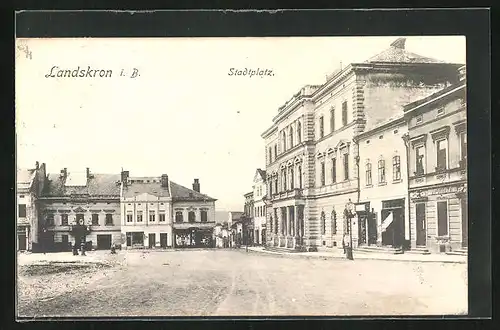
(234, 282)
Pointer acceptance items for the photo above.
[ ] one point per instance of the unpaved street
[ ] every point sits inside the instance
(225, 282)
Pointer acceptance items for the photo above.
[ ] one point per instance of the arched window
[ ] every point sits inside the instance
(323, 223)
(334, 222)
(300, 176)
(381, 171)
(283, 173)
(299, 132)
(291, 178)
(291, 137)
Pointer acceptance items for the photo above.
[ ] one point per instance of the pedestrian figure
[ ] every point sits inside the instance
(113, 249)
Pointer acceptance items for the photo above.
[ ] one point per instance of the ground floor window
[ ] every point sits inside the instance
(442, 213)
(135, 238)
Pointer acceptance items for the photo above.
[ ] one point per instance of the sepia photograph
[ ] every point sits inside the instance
(249, 176)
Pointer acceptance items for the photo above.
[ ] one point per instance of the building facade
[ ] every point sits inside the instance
(29, 186)
(249, 216)
(383, 218)
(72, 198)
(259, 207)
(437, 148)
(312, 155)
(159, 213)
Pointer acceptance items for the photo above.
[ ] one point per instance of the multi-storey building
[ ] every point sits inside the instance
(437, 148)
(383, 206)
(29, 186)
(259, 206)
(312, 158)
(72, 198)
(248, 217)
(159, 213)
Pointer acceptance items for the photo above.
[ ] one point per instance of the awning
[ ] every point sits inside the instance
(387, 222)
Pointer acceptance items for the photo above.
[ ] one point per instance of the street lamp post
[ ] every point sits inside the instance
(349, 215)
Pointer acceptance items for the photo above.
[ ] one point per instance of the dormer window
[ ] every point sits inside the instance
(440, 111)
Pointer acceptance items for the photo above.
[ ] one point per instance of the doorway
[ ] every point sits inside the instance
(103, 242)
(21, 238)
(465, 222)
(372, 229)
(163, 240)
(152, 240)
(394, 233)
(362, 229)
(420, 224)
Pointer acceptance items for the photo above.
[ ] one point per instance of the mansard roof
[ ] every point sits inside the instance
(96, 185)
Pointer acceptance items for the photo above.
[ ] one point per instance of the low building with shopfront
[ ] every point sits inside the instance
(29, 187)
(437, 147)
(73, 198)
(383, 218)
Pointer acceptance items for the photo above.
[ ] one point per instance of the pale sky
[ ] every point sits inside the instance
(183, 116)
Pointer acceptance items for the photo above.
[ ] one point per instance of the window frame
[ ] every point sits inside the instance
(25, 210)
(447, 209)
(368, 174)
(108, 219)
(396, 168)
(344, 113)
(321, 127)
(444, 141)
(64, 219)
(382, 177)
(95, 219)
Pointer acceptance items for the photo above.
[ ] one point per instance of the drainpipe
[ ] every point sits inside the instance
(356, 159)
(406, 139)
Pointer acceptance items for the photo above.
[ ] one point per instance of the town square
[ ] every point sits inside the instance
(341, 191)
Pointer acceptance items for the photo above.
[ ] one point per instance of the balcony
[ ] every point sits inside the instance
(294, 194)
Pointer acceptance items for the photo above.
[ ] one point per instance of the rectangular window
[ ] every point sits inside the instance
(463, 147)
(275, 151)
(179, 217)
(22, 210)
(321, 127)
(95, 219)
(381, 171)
(291, 179)
(109, 219)
(346, 166)
(50, 220)
(396, 168)
(64, 219)
(204, 216)
(80, 219)
(300, 177)
(344, 113)
(270, 155)
(368, 174)
(129, 217)
(322, 173)
(442, 218)
(191, 216)
(152, 216)
(139, 216)
(332, 120)
(162, 217)
(441, 155)
(334, 170)
(420, 160)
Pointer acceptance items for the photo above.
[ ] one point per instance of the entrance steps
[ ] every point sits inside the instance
(379, 249)
(458, 252)
(280, 249)
(418, 250)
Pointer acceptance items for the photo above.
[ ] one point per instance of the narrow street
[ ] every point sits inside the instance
(230, 283)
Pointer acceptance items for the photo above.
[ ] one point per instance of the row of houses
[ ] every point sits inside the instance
(119, 209)
(387, 136)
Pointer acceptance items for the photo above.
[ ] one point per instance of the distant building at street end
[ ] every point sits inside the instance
(29, 186)
(312, 159)
(159, 213)
(437, 147)
(71, 198)
(259, 207)
(249, 217)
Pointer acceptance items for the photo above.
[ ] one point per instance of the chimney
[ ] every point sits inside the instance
(124, 175)
(64, 172)
(399, 43)
(164, 181)
(37, 165)
(196, 185)
(88, 173)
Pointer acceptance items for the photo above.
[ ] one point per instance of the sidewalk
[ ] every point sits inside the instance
(444, 258)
